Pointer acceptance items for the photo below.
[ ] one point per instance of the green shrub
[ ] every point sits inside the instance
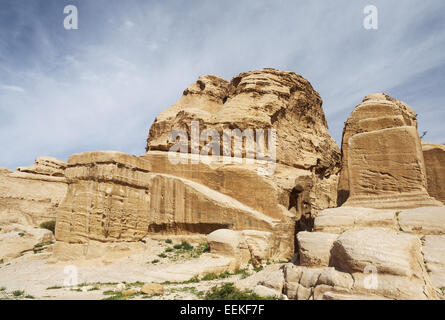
(210, 276)
(49, 225)
(162, 255)
(18, 293)
(169, 249)
(21, 234)
(155, 261)
(169, 241)
(228, 291)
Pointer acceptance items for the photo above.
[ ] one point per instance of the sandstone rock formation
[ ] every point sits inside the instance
(434, 155)
(305, 178)
(382, 159)
(116, 197)
(31, 195)
(359, 253)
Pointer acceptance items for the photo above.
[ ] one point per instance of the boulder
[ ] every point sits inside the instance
(389, 252)
(229, 243)
(152, 288)
(314, 248)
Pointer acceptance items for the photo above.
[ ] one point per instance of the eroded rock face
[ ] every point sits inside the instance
(365, 253)
(434, 155)
(47, 166)
(106, 197)
(259, 99)
(114, 197)
(31, 195)
(306, 175)
(382, 159)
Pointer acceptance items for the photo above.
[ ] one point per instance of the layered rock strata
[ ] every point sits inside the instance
(434, 155)
(382, 160)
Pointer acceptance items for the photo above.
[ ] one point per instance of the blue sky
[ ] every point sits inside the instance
(101, 86)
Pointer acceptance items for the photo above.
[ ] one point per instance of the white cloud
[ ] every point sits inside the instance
(12, 88)
(101, 88)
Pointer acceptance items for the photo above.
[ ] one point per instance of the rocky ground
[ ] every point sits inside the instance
(37, 276)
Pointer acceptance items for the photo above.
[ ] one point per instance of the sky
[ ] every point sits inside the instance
(101, 86)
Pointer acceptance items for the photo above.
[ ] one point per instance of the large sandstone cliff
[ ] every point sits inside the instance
(116, 197)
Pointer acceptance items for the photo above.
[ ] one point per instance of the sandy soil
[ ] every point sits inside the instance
(36, 276)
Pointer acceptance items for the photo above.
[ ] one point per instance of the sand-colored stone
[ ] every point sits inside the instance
(424, 220)
(388, 251)
(47, 166)
(434, 255)
(382, 159)
(229, 243)
(114, 197)
(31, 196)
(338, 220)
(258, 99)
(152, 288)
(314, 248)
(434, 155)
(16, 239)
(305, 177)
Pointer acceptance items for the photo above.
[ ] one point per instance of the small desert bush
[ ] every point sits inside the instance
(228, 291)
(49, 225)
(18, 293)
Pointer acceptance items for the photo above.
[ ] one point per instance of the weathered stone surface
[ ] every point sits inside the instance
(114, 197)
(47, 166)
(152, 288)
(266, 292)
(305, 178)
(314, 248)
(274, 280)
(425, 220)
(129, 292)
(229, 243)
(434, 255)
(434, 155)
(390, 252)
(382, 159)
(16, 239)
(338, 220)
(31, 197)
(259, 244)
(394, 287)
(258, 99)
(106, 196)
(334, 278)
(296, 291)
